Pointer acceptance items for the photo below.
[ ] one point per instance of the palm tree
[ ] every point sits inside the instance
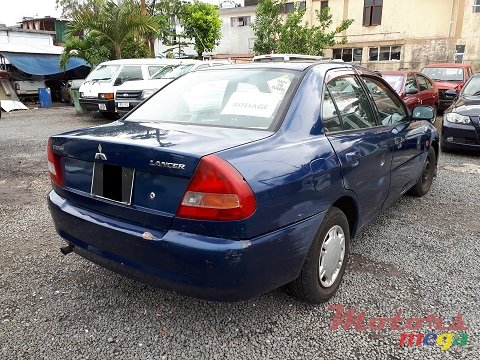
(115, 22)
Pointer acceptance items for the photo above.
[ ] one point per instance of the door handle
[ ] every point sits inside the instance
(353, 158)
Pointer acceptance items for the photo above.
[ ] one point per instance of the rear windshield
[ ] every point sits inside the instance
(103, 73)
(246, 98)
(444, 74)
(472, 88)
(395, 81)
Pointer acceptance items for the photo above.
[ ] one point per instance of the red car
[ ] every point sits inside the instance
(447, 77)
(413, 87)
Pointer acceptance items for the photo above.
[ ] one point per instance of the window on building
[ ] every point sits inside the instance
(384, 53)
(288, 7)
(476, 6)
(372, 12)
(323, 5)
(459, 51)
(348, 54)
(240, 21)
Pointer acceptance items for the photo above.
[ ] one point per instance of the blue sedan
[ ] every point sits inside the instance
(231, 182)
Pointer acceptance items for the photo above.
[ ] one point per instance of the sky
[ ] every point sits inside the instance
(12, 11)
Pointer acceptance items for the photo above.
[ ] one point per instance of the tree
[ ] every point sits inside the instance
(115, 22)
(292, 34)
(266, 26)
(202, 23)
(169, 13)
(92, 48)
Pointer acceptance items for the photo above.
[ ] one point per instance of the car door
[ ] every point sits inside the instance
(407, 138)
(426, 92)
(361, 146)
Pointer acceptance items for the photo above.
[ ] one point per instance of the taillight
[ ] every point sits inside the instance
(217, 191)
(54, 167)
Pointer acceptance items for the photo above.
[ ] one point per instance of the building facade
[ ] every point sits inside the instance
(237, 34)
(406, 34)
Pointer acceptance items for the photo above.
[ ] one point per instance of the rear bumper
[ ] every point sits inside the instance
(444, 104)
(93, 104)
(194, 265)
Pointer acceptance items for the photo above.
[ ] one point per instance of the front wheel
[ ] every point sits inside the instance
(323, 269)
(428, 173)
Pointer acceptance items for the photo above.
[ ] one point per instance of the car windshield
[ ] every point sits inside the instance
(395, 81)
(472, 87)
(102, 73)
(246, 98)
(444, 74)
(172, 71)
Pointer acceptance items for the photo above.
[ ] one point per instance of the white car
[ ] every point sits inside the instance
(129, 95)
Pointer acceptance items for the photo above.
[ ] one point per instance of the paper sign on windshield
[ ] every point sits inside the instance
(279, 85)
(252, 104)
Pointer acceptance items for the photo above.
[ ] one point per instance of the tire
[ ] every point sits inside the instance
(309, 286)
(429, 171)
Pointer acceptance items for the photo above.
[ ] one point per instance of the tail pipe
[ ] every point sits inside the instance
(66, 249)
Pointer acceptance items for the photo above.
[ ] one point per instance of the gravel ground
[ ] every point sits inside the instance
(420, 256)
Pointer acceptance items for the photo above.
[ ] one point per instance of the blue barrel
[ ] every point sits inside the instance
(45, 97)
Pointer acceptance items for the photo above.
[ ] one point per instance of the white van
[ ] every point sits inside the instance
(97, 92)
(129, 95)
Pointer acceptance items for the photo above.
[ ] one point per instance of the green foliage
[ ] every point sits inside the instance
(168, 13)
(291, 34)
(266, 26)
(115, 22)
(93, 48)
(202, 23)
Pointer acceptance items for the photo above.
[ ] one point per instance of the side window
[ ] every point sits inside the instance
(411, 83)
(331, 121)
(153, 69)
(389, 106)
(352, 103)
(422, 83)
(129, 73)
(203, 66)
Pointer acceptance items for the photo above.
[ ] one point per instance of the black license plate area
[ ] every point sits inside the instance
(112, 182)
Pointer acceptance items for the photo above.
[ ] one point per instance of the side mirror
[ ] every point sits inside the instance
(423, 112)
(118, 81)
(411, 91)
(451, 94)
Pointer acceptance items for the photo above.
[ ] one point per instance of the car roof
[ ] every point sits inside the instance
(155, 61)
(447, 65)
(296, 66)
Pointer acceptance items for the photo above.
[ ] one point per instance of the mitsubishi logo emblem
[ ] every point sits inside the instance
(100, 155)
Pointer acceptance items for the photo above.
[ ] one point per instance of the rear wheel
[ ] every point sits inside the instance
(325, 264)
(428, 173)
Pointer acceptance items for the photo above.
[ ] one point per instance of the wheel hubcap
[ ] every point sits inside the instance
(332, 254)
(426, 171)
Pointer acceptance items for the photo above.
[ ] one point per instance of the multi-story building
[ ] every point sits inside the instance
(406, 34)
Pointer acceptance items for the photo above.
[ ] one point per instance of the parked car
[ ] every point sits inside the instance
(414, 88)
(97, 91)
(461, 124)
(66, 91)
(231, 182)
(286, 57)
(129, 95)
(447, 77)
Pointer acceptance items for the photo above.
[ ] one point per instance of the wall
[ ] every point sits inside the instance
(25, 38)
(427, 30)
(236, 40)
